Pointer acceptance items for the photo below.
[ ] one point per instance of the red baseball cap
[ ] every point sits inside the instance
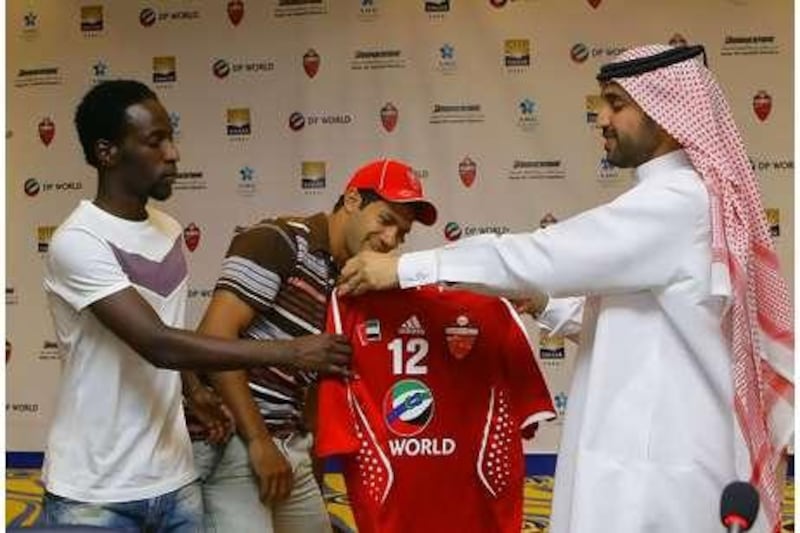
(394, 182)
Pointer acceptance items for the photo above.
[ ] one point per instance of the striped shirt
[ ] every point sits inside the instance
(282, 268)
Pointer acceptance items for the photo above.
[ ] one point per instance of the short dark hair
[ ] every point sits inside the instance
(101, 113)
(367, 197)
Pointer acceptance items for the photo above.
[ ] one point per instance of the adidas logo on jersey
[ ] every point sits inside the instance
(412, 326)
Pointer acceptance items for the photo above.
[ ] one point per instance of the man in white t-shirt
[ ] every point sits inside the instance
(118, 454)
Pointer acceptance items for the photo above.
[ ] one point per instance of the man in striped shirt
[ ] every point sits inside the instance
(275, 283)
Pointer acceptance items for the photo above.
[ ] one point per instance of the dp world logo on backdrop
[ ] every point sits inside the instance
(297, 121)
(408, 407)
(147, 17)
(579, 53)
(32, 187)
(221, 68)
(452, 231)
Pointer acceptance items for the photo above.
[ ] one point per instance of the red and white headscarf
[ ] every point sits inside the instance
(685, 100)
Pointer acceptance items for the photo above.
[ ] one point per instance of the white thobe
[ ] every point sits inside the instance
(650, 437)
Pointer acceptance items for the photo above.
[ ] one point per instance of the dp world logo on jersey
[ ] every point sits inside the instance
(408, 407)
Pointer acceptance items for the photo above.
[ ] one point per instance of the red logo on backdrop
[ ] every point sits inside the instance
(467, 171)
(678, 40)
(235, 11)
(47, 130)
(8, 351)
(461, 337)
(498, 3)
(311, 62)
(594, 3)
(191, 236)
(389, 116)
(762, 105)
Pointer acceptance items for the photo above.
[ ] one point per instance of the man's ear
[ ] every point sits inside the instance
(352, 200)
(106, 153)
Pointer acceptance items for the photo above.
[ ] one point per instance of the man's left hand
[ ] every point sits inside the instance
(204, 404)
(369, 271)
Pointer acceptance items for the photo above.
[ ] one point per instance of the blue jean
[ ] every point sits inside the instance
(180, 511)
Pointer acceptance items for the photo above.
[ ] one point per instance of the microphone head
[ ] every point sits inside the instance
(739, 504)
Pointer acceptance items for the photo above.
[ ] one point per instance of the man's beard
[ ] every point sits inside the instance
(161, 190)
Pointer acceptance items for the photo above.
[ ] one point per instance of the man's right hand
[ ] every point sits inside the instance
(274, 473)
(325, 353)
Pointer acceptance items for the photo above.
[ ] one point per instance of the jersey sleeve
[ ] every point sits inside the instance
(530, 397)
(81, 268)
(336, 425)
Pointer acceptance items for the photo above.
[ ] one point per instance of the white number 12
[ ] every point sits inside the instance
(417, 348)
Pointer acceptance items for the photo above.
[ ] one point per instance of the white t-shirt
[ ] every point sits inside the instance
(118, 432)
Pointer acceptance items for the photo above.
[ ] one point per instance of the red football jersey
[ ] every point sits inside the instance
(430, 427)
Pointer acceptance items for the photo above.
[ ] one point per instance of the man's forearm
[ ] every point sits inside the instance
(179, 349)
(235, 392)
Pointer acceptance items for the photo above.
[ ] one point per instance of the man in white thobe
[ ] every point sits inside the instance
(683, 379)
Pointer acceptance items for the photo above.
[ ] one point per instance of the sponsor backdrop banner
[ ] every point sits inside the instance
(274, 103)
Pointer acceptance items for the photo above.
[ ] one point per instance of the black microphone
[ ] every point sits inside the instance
(738, 507)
